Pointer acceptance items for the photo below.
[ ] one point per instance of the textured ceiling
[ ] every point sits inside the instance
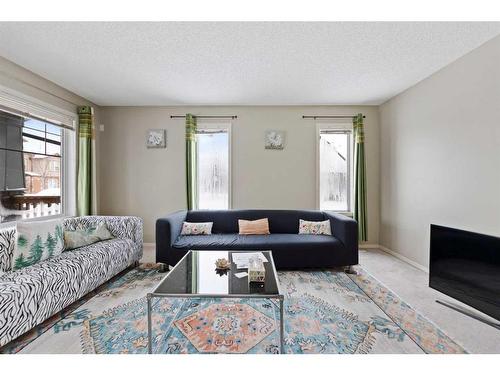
(258, 63)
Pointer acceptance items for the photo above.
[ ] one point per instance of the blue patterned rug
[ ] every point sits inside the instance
(325, 312)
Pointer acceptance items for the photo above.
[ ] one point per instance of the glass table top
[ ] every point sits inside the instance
(195, 274)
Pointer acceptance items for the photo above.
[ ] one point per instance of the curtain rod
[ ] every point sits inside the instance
(231, 117)
(334, 116)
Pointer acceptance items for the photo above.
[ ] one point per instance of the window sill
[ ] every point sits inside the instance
(345, 213)
(12, 223)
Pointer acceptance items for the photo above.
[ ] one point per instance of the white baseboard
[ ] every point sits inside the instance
(149, 253)
(396, 255)
(149, 245)
(368, 246)
(405, 259)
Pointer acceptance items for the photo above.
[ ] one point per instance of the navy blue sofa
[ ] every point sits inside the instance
(290, 250)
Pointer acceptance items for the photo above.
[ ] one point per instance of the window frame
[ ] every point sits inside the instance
(66, 121)
(68, 173)
(340, 126)
(225, 126)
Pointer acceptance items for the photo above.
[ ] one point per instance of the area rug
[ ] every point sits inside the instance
(325, 312)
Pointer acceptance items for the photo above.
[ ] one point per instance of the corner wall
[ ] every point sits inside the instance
(440, 154)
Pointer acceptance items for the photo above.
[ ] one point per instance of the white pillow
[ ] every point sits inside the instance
(37, 241)
(315, 227)
(191, 229)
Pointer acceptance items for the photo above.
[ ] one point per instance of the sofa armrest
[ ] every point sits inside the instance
(130, 227)
(344, 228)
(167, 230)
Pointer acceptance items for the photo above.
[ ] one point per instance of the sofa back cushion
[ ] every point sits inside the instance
(119, 227)
(74, 239)
(280, 221)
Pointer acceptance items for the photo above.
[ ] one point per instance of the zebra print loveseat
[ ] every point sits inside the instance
(32, 294)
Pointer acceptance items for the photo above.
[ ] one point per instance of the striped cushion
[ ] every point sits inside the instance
(32, 294)
(260, 226)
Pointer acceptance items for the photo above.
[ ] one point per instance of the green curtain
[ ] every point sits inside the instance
(84, 178)
(360, 177)
(191, 162)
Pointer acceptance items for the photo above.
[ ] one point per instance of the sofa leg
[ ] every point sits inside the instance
(350, 270)
(164, 268)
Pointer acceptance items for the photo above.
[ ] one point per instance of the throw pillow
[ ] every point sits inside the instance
(193, 229)
(260, 226)
(74, 239)
(315, 227)
(37, 241)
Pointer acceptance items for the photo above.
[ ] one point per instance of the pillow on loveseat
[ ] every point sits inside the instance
(315, 227)
(74, 239)
(37, 241)
(260, 226)
(193, 229)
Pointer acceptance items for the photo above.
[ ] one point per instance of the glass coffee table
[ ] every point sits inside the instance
(195, 276)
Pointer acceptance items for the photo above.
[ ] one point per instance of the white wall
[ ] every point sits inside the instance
(440, 154)
(150, 183)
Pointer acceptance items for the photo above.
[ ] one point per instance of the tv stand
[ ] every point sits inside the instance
(469, 313)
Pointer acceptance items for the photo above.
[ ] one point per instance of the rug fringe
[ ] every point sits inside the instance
(366, 346)
(86, 342)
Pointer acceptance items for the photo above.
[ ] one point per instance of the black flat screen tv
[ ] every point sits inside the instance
(466, 266)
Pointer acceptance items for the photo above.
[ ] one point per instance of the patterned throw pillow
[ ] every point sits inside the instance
(315, 227)
(74, 239)
(37, 241)
(190, 229)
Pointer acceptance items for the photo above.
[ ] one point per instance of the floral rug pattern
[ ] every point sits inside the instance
(325, 312)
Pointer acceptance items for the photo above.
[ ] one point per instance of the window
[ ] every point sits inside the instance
(30, 167)
(213, 151)
(335, 167)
